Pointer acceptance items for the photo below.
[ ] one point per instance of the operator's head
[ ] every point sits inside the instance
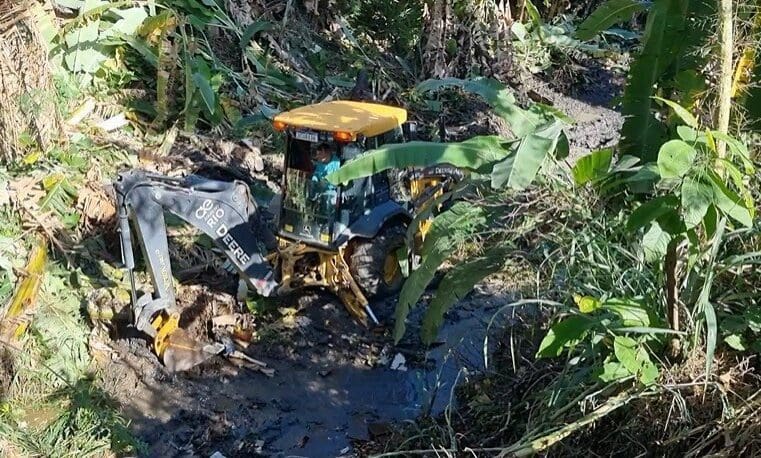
(323, 152)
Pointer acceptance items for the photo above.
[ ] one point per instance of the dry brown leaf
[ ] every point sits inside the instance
(95, 204)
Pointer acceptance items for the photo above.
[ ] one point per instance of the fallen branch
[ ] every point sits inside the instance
(548, 440)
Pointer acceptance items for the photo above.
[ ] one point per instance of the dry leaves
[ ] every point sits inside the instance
(94, 202)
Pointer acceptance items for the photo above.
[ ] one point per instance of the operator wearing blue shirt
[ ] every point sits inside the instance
(326, 162)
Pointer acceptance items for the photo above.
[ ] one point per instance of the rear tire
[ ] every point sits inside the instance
(374, 263)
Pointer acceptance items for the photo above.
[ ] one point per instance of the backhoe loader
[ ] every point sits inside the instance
(345, 239)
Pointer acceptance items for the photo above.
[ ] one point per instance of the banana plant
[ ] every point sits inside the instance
(662, 64)
(496, 165)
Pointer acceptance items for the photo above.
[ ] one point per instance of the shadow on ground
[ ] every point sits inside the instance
(333, 386)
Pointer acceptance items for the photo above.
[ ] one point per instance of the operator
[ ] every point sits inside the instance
(325, 162)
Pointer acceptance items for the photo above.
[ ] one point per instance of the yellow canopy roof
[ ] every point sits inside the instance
(368, 119)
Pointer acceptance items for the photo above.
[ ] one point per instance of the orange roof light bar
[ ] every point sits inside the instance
(343, 136)
(279, 126)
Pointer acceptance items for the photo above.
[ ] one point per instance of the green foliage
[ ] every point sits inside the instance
(59, 198)
(588, 337)
(456, 284)
(699, 188)
(609, 13)
(592, 167)
(476, 154)
(510, 164)
(642, 133)
(398, 23)
(448, 231)
(519, 169)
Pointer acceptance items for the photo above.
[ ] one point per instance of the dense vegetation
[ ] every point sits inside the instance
(644, 253)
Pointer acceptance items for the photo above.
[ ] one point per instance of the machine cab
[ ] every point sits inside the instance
(319, 139)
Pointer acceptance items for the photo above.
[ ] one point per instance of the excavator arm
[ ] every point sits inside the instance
(225, 211)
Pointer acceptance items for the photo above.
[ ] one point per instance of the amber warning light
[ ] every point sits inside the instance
(343, 136)
(279, 126)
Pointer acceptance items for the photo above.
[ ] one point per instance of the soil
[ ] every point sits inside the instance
(334, 386)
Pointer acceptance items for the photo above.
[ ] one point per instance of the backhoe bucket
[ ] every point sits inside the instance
(184, 353)
(177, 350)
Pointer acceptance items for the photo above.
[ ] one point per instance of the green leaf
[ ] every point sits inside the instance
(519, 31)
(609, 13)
(680, 111)
(563, 148)
(675, 159)
(518, 170)
(635, 359)
(593, 166)
(613, 371)
(447, 231)
(144, 49)
(752, 319)
(711, 332)
(737, 148)
(729, 202)
(688, 134)
(586, 304)
(85, 34)
(457, 283)
(563, 334)
(633, 313)
(735, 341)
(655, 242)
(696, 198)
(130, 22)
(85, 58)
(642, 133)
(711, 220)
(533, 14)
(207, 93)
(252, 29)
(473, 154)
(651, 210)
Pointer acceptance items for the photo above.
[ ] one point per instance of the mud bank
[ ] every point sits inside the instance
(333, 387)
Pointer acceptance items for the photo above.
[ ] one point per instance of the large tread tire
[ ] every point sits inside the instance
(368, 259)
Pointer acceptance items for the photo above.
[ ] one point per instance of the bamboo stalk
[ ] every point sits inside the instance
(17, 317)
(726, 73)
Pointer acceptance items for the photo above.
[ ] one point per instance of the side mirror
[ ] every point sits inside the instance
(409, 130)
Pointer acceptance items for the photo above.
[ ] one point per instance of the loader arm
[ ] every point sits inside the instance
(224, 211)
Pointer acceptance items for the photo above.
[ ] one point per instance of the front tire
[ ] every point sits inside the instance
(374, 263)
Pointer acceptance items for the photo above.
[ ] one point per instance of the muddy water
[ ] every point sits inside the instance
(330, 389)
